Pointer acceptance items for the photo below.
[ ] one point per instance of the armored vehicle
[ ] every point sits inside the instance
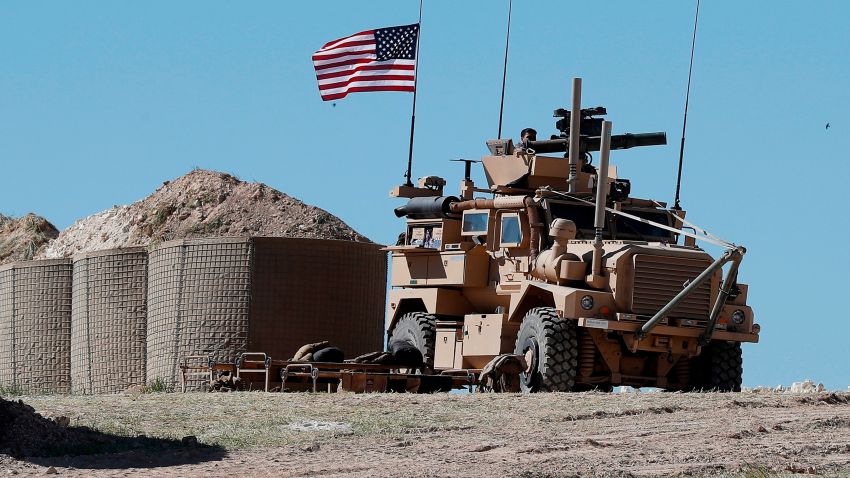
(560, 264)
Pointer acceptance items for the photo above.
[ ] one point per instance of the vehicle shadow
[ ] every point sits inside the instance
(27, 436)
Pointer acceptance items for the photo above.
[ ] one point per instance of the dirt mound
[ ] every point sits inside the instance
(23, 238)
(26, 433)
(200, 204)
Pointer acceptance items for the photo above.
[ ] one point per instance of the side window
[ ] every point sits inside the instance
(475, 223)
(510, 234)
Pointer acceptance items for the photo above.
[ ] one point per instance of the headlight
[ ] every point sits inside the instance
(738, 317)
(587, 302)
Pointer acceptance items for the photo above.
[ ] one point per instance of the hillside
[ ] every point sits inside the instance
(200, 204)
(23, 238)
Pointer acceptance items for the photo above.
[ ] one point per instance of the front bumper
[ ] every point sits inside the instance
(666, 330)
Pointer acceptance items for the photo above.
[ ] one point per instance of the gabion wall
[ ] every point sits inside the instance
(308, 290)
(108, 320)
(135, 316)
(223, 297)
(198, 303)
(35, 326)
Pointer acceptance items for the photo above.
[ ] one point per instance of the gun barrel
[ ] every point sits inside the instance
(429, 207)
(592, 143)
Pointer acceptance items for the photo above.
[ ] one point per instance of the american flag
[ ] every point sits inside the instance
(375, 60)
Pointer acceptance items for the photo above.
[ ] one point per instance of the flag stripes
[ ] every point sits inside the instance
(352, 65)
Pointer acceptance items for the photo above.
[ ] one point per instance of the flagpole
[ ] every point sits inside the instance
(413, 114)
(505, 70)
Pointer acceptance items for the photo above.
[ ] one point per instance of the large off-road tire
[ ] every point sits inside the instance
(720, 367)
(420, 330)
(550, 345)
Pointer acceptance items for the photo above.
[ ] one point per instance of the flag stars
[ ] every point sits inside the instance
(396, 43)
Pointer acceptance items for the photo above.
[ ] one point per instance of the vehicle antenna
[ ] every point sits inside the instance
(413, 114)
(505, 70)
(685, 119)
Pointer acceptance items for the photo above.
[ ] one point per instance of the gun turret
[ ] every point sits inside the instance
(590, 126)
(591, 143)
(591, 131)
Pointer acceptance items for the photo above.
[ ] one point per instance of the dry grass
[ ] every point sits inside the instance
(583, 434)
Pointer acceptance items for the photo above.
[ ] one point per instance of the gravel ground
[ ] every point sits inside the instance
(582, 434)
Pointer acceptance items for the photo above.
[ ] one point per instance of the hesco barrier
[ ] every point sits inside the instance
(108, 320)
(221, 297)
(198, 303)
(308, 290)
(35, 326)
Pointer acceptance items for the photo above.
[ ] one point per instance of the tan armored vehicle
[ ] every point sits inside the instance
(559, 263)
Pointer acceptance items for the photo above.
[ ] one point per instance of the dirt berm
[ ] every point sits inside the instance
(25, 433)
(22, 238)
(200, 204)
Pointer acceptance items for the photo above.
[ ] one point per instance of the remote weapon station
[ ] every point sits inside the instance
(561, 265)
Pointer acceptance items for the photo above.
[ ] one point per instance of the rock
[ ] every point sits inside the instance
(311, 447)
(806, 386)
(51, 471)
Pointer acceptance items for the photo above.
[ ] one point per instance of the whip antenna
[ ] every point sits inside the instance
(685, 119)
(413, 114)
(505, 70)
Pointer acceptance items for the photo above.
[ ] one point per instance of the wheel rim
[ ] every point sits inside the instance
(531, 351)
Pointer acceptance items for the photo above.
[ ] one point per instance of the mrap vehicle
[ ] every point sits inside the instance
(559, 264)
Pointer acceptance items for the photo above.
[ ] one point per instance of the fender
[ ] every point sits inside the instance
(435, 301)
(564, 299)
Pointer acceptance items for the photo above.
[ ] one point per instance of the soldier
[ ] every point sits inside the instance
(526, 135)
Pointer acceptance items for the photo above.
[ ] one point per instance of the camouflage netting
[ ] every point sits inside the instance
(108, 321)
(35, 326)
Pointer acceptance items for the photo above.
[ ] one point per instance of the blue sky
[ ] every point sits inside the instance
(102, 101)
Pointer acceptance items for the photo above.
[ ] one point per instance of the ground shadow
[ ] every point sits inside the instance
(28, 436)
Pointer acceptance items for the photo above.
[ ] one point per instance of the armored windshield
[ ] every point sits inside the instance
(623, 228)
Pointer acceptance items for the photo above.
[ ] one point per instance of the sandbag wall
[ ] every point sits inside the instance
(222, 297)
(108, 320)
(35, 326)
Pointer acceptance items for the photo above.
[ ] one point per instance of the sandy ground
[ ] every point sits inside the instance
(584, 434)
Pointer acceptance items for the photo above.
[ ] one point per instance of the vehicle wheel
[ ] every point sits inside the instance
(420, 330)
(550, 346)
(720, 367)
